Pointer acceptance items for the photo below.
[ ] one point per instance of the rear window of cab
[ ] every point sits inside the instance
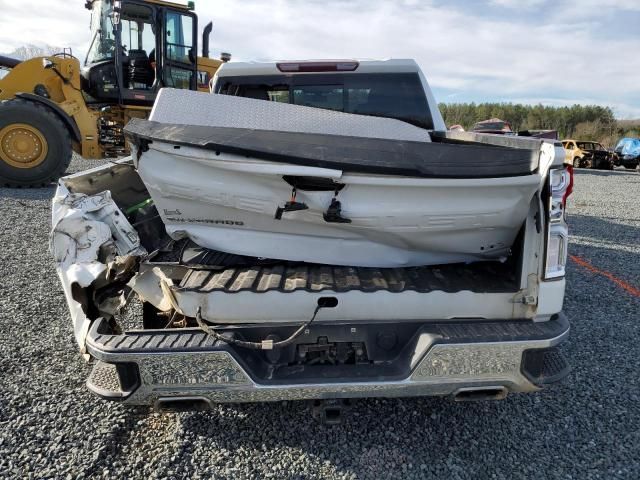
(392, 95)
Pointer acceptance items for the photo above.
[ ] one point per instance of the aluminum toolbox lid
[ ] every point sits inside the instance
(185, 107)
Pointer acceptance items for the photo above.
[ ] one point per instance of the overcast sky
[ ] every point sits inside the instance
(532, 51)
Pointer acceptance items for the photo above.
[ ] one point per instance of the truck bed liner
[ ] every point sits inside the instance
(233, 289)
(485, 277)
(214, 271)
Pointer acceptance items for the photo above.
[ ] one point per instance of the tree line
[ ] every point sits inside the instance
(583, 122)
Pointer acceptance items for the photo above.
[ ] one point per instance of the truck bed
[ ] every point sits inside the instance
(484, 277)
(232, 289)
(209, 271)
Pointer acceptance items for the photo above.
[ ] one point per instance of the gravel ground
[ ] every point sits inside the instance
(588, 427)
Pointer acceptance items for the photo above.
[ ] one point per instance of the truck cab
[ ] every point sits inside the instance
(385, 88)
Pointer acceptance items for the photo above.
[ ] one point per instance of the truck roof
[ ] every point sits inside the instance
(301, 67)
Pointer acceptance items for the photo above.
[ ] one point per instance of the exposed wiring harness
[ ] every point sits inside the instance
(264, 344)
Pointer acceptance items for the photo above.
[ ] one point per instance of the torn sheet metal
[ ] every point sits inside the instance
(88, 233)
(155, 287)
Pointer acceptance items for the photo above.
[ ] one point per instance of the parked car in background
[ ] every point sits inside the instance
(587, 155)
(628, 152)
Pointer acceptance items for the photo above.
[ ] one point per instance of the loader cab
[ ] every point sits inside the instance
(138, 47)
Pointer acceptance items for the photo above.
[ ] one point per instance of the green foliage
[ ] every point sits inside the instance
(591, 121)
(629, 128)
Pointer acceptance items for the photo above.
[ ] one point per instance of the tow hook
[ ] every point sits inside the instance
(331, 411)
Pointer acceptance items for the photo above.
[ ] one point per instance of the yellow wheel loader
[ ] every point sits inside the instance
(52, 106)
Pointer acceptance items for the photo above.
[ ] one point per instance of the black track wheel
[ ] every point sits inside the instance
(35, 146)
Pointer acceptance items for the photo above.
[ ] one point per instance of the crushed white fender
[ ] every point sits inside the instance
(82, 226)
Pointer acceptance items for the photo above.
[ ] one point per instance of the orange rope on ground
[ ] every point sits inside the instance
(621, 283)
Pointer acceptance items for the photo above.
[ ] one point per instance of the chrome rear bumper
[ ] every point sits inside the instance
(147, 367)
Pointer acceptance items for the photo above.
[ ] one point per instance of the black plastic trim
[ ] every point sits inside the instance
(543, 366)
(128, 379)
(350, 154)
(387, 364)
(285, 277)
(196, 340)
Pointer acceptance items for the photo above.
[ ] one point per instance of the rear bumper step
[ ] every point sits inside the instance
(156, 366)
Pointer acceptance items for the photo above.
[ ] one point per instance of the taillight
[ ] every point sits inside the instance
(569, 190)
(556, 252)
(560, 187)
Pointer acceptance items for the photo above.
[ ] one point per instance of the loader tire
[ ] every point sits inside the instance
(35, 145)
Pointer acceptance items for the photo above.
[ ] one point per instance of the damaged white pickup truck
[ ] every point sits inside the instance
(311, 231)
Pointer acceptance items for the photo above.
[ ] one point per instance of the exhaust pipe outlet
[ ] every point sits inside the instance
(182, 404)
(478, 394)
